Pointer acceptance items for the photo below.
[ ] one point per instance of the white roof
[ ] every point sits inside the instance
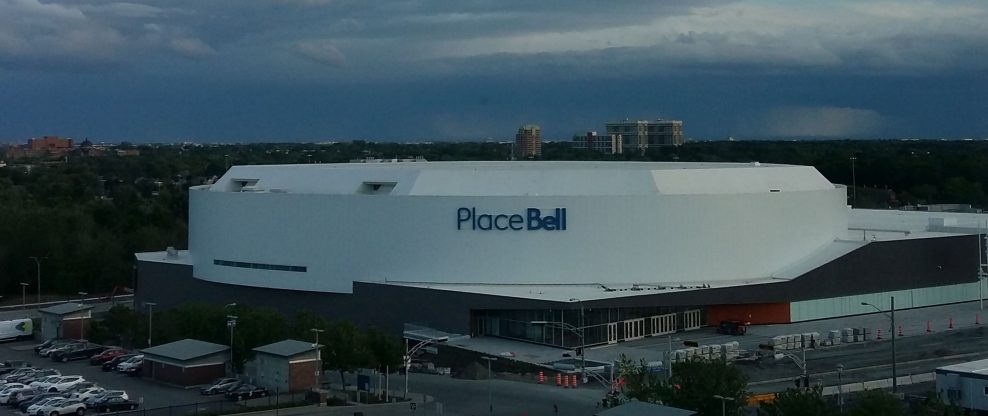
(970, 367)
(524, 178)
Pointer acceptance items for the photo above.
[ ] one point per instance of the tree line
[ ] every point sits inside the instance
(83, 217)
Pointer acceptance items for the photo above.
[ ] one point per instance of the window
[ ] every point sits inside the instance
(986, 390)
(261, 266)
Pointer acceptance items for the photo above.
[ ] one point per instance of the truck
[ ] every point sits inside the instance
(16, 329)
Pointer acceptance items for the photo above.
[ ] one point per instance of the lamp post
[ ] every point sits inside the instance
(891, 316)
(840, 388)
(490, 380)
(317, 331)
(854, 183)
(231, 322)
(23, 295)
(37, 261)
(579, 333)
(583, 347)
(723, 403)
(150, 306)
(410, 352)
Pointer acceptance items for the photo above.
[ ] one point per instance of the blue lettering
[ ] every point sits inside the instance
(516, 222)
(497, 223)
(534, 219)
(462, 215)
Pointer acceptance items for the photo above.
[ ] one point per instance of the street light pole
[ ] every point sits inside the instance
(891, 316)
(490, 381)
(23, 295)
(232, 323)
(82, 322)
(723, 403)
(840, 388)
(583, 343)
(37, 261)
(150, 306)
(409, 352)
(854, 184)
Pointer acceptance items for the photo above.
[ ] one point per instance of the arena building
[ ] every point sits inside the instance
(623, 250)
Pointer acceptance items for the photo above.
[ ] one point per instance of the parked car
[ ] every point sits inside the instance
(111, 404)
(36, 375)
(9, 390)
(93, 401)
(36, 407)
(13, 376)
(44, 380)
(64, 407)
(10, 366)
(87, 393)
(246, 391)
(48, 343)
(24, 405)
(60, 384)
(129, 365)
(24, 395)
(107, 355)
(47, 352)
(112, 364)
(77, 352)
(219, 386)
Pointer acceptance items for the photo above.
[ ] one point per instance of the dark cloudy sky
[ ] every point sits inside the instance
(313, 70)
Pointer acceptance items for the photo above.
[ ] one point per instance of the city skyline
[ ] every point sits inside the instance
(312, 70)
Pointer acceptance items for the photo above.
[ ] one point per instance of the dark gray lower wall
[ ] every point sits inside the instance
(876, 267)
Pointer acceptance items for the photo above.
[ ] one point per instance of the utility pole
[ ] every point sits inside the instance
(854, 184)
(150, 306)
(37, 261)
(490, 381)
(23, 295)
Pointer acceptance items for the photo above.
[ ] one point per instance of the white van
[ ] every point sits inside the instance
(16, 329)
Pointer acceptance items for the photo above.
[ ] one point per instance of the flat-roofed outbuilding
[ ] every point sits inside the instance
(188, 362)
(66, 320)
(288, 365)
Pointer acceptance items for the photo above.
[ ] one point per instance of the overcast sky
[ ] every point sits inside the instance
(314, 70)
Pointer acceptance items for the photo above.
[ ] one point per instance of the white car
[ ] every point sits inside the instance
(135, 361)
(109, 393)
(87, 393)
(63, 407)
(60, 384)
(35, 408)
(44, 381)
(10, 390)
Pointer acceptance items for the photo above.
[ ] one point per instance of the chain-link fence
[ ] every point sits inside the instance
(221, 407)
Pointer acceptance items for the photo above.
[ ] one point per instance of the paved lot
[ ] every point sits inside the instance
(153, 394)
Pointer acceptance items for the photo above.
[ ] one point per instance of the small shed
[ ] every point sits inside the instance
(637, 408)
(286, 366)
(188, 362)
(66, 320)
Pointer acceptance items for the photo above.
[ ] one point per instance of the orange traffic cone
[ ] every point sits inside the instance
(928, 327)
(900, 330)
(950, 323)
(977, 319)
(574, 381)
(566, 382)
(879, 334)
(559, 379)
(541, 377)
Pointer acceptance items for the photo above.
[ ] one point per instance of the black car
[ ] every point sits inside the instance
(77, 352)
(246, 391)
(111, 404)
(219, 386)
(112, 364)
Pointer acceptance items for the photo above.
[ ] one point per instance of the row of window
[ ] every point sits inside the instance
(260, 266)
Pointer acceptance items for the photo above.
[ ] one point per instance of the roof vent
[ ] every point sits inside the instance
(171, 253)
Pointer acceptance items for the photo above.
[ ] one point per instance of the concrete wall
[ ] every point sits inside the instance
(182, 376)
(904, 299)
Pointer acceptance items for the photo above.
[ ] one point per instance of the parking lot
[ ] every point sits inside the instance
(151, 394)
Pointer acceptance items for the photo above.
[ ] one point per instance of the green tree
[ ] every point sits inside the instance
(640, 383)
(933, 405)
(798, 402)
(876, 403)
(696, 382)
(345, 350)
(385, 350)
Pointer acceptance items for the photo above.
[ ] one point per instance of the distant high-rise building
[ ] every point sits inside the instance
(610, 144)
(528, 142)
(643, 134)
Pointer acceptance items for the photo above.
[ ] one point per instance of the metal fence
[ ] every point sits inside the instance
(220, 407)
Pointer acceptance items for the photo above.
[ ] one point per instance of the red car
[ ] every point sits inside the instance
(107, 356)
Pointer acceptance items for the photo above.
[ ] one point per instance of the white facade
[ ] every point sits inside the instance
(321, 227)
